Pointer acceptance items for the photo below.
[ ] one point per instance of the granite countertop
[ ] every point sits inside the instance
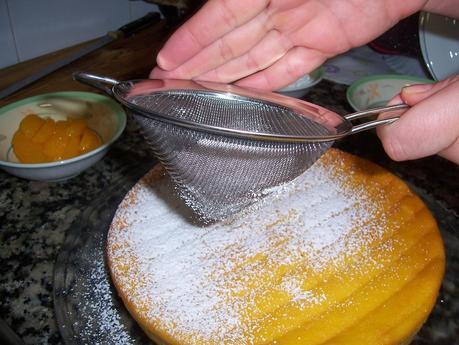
(35, 217)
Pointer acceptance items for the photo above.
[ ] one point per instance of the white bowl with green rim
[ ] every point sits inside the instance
(377, 90)
(103, 115)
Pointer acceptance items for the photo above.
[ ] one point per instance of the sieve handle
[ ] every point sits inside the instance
(102, 83)
(375, 123)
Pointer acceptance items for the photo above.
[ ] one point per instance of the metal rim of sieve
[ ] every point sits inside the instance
(338, 126)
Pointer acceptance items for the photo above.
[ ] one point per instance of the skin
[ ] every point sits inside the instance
(430, 126)
(269, 44)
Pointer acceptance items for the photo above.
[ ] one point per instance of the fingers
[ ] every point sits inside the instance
(415, 93)
(431, 126)
(158, 73)
(452, 152)
(270, 49)
(144, 87)
(229, 49)
(215, 19)
(297, 62)
(230, 46)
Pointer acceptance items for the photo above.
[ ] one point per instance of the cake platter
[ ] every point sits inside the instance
(88, 310)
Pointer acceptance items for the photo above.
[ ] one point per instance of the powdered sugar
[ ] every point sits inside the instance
(103, 324)
(198, 283)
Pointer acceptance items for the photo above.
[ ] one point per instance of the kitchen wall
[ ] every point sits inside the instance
(30, 28)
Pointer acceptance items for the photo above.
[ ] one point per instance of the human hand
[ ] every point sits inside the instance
(269, 44)
(430, 126)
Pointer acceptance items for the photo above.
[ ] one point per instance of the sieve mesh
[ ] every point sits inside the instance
(234, 112)
(219, 175)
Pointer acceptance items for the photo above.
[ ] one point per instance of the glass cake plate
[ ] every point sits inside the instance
(88, 310)
(86, 305)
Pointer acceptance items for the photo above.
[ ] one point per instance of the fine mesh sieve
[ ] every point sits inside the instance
(226, 146)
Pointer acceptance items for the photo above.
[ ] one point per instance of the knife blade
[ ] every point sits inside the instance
(123, 31)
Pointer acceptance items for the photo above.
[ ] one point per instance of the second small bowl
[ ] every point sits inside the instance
(301, 86)
(377, 90)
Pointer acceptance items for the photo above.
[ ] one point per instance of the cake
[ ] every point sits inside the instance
(344, 254)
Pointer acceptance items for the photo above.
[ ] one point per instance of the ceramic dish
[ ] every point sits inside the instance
(103, 115)
(439, 41)
(376, 91)
(300, 87)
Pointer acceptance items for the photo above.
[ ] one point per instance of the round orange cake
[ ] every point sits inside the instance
(344, 254)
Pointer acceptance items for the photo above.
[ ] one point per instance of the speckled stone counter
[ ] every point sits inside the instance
(34, 218)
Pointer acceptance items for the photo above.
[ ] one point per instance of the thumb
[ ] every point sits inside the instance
(414, 94)
(429, 127)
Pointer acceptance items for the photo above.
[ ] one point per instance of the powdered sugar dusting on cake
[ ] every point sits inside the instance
(189, 274)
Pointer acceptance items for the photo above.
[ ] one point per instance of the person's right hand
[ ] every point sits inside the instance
(269, 44)
(430, 126)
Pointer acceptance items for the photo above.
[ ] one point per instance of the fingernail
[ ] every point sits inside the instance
(417, 88)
